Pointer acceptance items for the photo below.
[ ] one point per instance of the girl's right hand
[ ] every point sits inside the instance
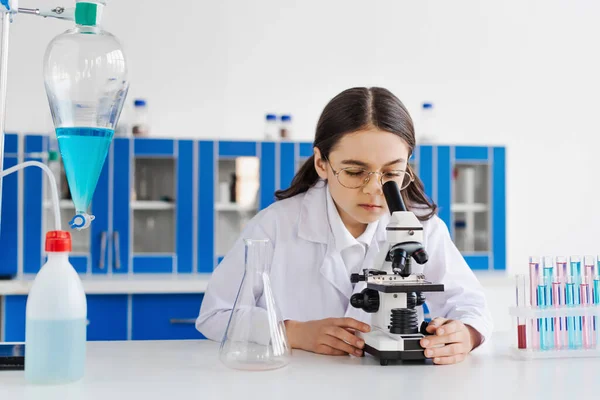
(332, 336)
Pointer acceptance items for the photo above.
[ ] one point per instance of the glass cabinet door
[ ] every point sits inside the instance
(236, 198)
(153, 205)
(471, 207)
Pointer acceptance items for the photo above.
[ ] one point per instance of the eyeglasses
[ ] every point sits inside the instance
(356, 177)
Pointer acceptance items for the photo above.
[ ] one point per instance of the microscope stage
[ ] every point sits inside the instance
(406, 288)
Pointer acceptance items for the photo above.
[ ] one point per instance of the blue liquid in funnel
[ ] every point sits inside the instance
(83, 151)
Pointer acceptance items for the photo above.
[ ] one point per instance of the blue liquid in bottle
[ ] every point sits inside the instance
(55, 350)
(83, 151)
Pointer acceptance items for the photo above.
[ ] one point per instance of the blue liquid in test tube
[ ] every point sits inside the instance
(546, 339)
(547, 342)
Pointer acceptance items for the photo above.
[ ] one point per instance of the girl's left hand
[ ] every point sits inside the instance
(457, 339)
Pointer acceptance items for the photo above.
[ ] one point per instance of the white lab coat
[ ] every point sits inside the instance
(311, 282)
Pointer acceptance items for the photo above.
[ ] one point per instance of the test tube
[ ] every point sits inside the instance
(573, 326)
(575, 269)
(586, 330)
(596, 300)
(548, 272)
(546, 335)
(557, 301)
(534, 271)
(562, 272)
(589, 267)
(521, 302)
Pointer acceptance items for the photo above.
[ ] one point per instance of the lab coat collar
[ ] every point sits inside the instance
(313, 226)
(343, 238)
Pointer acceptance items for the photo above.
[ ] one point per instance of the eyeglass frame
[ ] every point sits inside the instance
(369, 173)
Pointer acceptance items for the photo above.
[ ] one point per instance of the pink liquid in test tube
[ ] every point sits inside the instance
(586, 321)
(589, 265)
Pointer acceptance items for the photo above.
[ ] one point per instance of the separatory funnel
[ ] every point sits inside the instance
(85, 74)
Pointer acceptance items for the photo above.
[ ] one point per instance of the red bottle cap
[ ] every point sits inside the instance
(58, 241)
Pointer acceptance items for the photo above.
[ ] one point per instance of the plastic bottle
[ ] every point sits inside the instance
(140, 119)
(56, 317)
(271, 128)
(425, 132)
(285, 129)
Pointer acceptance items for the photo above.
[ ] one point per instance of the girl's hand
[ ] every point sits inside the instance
(456, 338)
(332, 336)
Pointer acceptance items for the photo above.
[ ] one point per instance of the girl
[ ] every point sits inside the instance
(331, 223)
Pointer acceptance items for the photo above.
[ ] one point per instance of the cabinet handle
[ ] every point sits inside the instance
(117, 249)
(102, 250)
(175, 321)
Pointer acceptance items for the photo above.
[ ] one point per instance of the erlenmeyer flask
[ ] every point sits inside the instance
(255, 338)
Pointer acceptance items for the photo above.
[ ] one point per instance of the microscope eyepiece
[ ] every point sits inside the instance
(392, 197)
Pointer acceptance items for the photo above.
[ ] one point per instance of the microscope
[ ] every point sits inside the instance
(393, 292)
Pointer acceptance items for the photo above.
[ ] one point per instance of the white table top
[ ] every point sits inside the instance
(191, 370)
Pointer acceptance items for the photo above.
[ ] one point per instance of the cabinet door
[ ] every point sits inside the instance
(13, 324)
(107, 317)
(471, 196)
(154, 205)
(245, 182)
(291, 158)
(205, 243)
(165, 316)
(36, 149)
(9, 242)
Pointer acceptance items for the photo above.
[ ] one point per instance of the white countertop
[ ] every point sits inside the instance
(191, 370)
(122, 284)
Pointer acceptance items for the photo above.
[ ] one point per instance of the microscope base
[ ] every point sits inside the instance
(389, 346)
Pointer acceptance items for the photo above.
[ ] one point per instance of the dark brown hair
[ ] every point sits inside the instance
(353, 110)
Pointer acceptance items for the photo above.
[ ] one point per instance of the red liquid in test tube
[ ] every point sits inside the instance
(521, 302)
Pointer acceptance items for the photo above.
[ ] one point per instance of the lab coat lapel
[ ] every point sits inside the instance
(313, 225)
(334, 269)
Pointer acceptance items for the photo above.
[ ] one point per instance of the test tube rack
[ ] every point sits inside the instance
(562, 332)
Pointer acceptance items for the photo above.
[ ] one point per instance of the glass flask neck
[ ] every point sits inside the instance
(257, 256)
(88, 12)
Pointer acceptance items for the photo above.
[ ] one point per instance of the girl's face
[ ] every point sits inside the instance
(370, 150)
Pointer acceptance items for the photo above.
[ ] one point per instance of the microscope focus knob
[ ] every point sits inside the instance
(355, 278)
(368, 300)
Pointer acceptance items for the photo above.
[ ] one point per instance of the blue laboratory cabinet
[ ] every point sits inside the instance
(175, 206)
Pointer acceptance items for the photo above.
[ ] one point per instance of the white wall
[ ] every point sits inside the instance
(519, 73)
